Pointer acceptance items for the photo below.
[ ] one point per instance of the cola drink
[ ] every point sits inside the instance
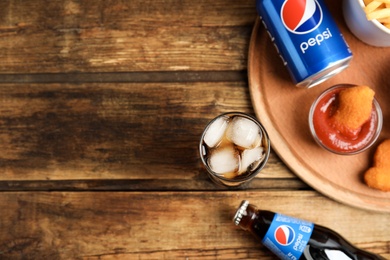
(291, 238)
(234, 148)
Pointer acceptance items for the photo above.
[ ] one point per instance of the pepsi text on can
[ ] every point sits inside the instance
(306, 38)
(317, 40)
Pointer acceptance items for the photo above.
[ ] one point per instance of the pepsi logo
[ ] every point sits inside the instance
(301, 16)
(284, 235)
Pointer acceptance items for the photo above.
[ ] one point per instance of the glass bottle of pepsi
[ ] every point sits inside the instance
(291, 238)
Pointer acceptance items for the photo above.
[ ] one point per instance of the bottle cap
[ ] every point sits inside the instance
(241, 211)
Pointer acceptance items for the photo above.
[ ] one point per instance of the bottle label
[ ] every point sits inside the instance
(287, 237)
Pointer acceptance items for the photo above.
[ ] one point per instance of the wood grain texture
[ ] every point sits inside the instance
(112, 131)
(171, 225)
(102, 104)
(65, 36)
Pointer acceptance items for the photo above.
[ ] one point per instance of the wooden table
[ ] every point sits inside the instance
(102, 107)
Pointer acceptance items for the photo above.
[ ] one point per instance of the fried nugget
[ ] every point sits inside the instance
(378, 176)
(355, 106)
(382, 155)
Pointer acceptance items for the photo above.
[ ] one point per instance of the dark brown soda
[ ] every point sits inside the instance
(258, 222)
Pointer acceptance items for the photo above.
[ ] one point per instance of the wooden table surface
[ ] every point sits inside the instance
(102, 107)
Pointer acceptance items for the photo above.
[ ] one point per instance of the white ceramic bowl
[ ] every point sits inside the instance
(371, 32)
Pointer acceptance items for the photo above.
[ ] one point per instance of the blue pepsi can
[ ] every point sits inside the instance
(306, 38)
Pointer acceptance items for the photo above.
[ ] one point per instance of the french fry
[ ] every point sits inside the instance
(378, 14)
(378, 10)
(371, 7)
(384, 20)
(366, 2)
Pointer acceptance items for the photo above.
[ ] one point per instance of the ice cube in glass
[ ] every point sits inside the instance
(216, 131)
(243, 132)
(250, 158)
(224, 160)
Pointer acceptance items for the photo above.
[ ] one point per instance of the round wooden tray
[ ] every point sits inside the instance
(283, 109)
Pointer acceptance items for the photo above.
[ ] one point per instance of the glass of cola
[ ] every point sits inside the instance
(234, 147)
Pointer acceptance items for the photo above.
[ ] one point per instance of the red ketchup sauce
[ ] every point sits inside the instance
(328, 133)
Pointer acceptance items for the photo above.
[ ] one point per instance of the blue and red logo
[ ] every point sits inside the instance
(301, 16)
(284, 235)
